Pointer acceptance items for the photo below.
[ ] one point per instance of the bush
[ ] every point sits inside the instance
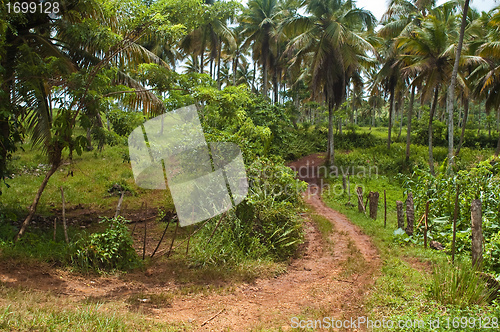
(108, 250)
(124, 122)
(265, 226)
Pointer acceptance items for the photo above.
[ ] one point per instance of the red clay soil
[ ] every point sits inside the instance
(330, 279)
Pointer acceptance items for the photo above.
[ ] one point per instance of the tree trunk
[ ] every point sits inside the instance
(464, 124)
(391, 106)
(275, 87)
(399, 110)
(235, 66)
(211, 64)
(264, 72)
(330, 151)
(477, 234)
(451, 90)
(400, 214)
(373, 204)
(431, 118)
(202, 65)
(219, 84)
(36, 200)
(408, 128)
(253, 76)
(410, 214)
(5, 104)
(89, 141)
(65, 227)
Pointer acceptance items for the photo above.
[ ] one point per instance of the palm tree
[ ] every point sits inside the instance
(260, 21)
(330, 42)
(427, 56)
(451, 89)
(486, 75)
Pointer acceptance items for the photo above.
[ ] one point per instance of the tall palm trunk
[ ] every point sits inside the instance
(399, 110)
(235, 66)
(265, 50)
(253, 76)
(330, 152)
(219, 84)
(202, 64)
(275, 87)
(391, 107)
(464, 124)
(408, 128)
(431, 119)
(451, 90)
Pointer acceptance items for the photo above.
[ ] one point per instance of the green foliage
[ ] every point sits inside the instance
(265, 226)
(225, 118)
(107, 250)
(472, 138)
(38, 244)
(480, 182)
(458, 285)
(123, 122)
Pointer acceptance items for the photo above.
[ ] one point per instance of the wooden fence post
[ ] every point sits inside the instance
(410, 214)
(399, 209)
(361, 207)
(373, 204)
(477, 234)
(344, 183)
(385, 210)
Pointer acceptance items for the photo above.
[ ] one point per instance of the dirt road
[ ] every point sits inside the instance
(331, 278)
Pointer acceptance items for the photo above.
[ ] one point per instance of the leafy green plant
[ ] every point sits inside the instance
(459, 285)
(479, 182)
(107, 250)
(124, 122)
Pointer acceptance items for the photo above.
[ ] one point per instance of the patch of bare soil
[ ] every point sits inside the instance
(329, 279)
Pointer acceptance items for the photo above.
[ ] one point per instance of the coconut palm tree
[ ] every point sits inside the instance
(260, 21)
(486, 75)
(451, 90)
(427, 55)
(331, 44)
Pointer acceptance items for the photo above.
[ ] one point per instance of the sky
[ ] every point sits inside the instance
(378, 7)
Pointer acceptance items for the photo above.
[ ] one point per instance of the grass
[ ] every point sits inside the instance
(86, 182)
(27, 310)
(403, 290)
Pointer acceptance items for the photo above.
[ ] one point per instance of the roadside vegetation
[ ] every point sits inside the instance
(406, 104)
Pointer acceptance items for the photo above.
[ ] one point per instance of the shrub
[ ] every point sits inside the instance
(111, 249)
(124, 122)
(265, 226)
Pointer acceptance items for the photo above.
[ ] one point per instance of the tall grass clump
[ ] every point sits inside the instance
(458, 285)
